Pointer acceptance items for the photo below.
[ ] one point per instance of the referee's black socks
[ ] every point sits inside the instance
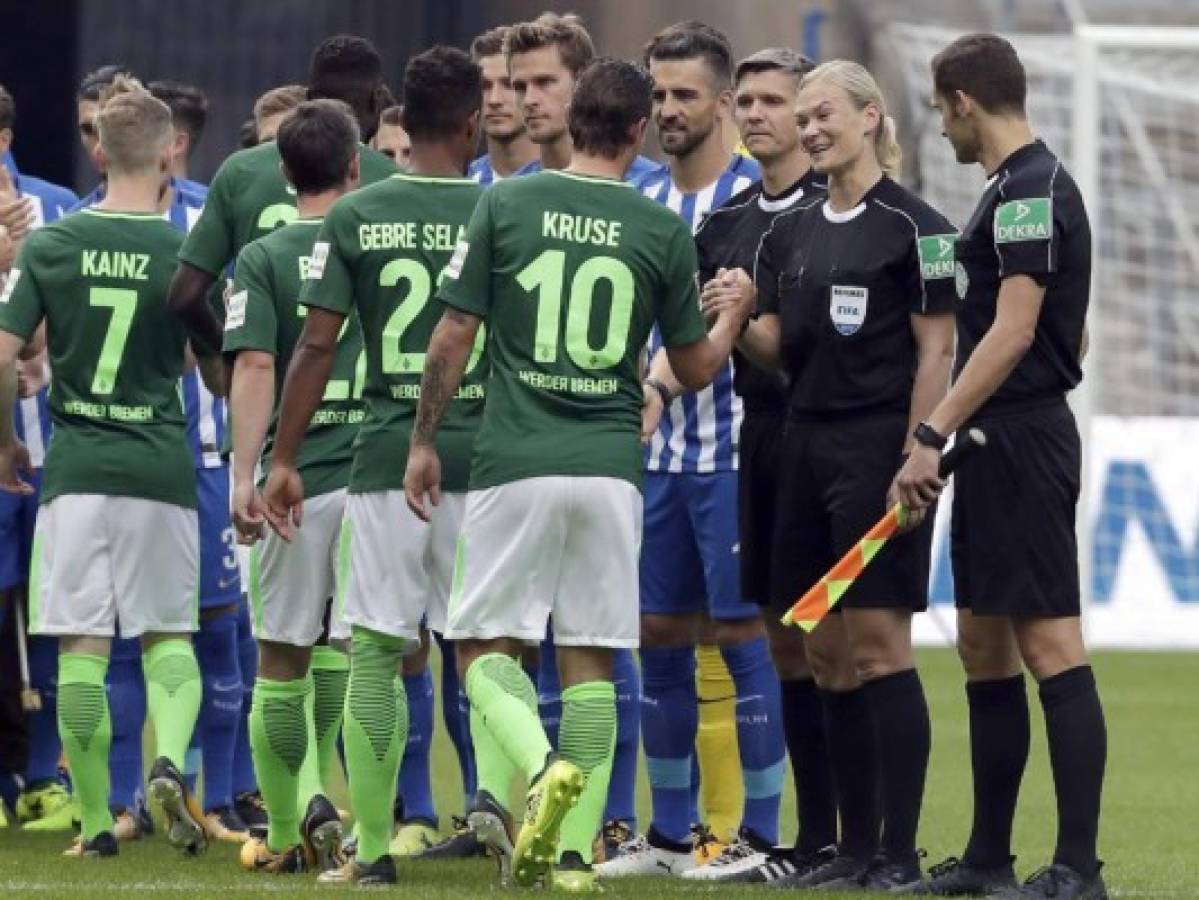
(999, 738)
(807, 744)
(1077, 736)
(904, 737)
(854, 752)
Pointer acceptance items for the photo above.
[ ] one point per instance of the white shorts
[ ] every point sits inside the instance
(555, 545)
(291, 584)
(100, 560)
(400, 569)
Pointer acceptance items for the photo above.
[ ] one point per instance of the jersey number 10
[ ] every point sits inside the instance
(546, 276)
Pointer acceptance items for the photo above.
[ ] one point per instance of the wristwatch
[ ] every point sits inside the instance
(928, 436)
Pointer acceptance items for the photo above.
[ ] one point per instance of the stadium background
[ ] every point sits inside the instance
(1142, 501)
(1144, 592)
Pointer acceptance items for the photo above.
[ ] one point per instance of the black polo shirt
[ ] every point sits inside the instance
(845, 285)
(1030, 221)
(729, 238)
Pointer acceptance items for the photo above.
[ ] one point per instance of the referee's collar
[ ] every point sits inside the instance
(783, 201)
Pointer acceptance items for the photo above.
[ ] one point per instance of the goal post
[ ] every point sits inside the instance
(1119, 105)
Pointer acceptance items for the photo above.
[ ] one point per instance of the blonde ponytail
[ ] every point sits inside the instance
(863, 91)
(886, 147)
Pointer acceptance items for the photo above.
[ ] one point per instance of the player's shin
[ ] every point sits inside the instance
(507, 704)
(587, 739)
(330, 676)
(375, 730)
(415, 787)
(216, 652)
(622, 790)
(717, 734)
(759, 735)
(668, 727)
(86, 731)
(279, 741)
(495, 771)
(44, 746)
(173, 695)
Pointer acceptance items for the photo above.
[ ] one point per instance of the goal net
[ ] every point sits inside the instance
(1119, 105)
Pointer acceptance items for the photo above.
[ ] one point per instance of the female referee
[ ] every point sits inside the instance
(856, 294)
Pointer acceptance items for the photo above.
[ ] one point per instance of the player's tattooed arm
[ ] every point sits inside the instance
(445, 361)
(449, 350)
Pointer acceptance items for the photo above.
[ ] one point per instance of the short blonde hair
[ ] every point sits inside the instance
(277, 100)
(863, 91)
(134, 126)
(566, 32)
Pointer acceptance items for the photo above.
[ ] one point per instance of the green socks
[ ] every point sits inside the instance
(310, 782)
(506, 702)
(374, 733)
(330, 676)
(330, 671)
(279, 739)
(173, 695)
(86, 731)
(587, 738)
(494, 772)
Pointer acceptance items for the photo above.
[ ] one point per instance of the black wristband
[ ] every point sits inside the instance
(662, 390)
(928, 436)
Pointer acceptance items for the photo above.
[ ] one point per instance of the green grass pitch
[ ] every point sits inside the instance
(1148, 838)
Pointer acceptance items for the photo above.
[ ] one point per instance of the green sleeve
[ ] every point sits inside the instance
(211, 242)
(330, 282)
(375, 166)
(679, 319)
(21, 302)
(467, 284)
(252, 320)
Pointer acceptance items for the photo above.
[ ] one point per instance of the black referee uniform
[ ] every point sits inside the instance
(845, 286)
(730, 238)
(1013, 541)
(1013, 535)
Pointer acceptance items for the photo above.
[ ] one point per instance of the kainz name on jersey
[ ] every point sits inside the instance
(114, 264)
(1024, 220)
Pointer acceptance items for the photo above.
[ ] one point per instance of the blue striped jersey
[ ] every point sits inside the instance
(32, 414)
(642, 167)
(480, 171)
(206, 415)
(32, 425)
(699, 431)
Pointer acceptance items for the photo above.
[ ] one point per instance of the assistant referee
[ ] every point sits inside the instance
(1023, 271)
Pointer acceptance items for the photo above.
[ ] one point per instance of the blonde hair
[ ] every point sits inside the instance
(863, 91)
(566, 32)
(277, 100)
(134, 126)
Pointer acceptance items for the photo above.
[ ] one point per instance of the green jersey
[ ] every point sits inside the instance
(249, 198)
(383, 250)
(99, 280)
(265, 314)
(570, 274)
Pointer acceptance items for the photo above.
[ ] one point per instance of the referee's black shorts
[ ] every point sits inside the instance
(833, 489)
(759, 464)
(1013, 544)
